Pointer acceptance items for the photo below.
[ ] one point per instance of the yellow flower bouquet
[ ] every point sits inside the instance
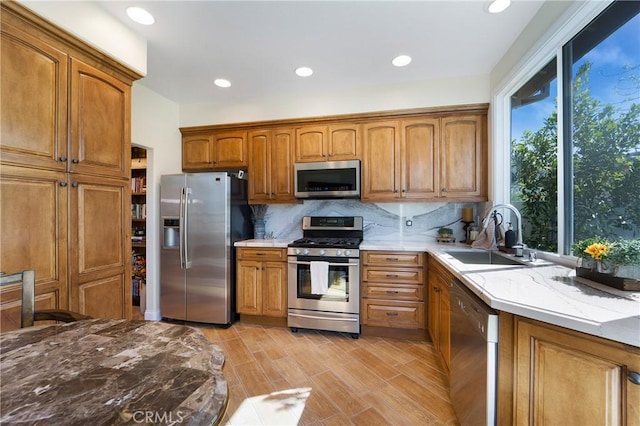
(615, 263)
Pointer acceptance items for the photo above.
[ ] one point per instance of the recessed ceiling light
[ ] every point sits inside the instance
(498, 6)
(401, 61)
(221, 82)
(304, 71)
(140, 15)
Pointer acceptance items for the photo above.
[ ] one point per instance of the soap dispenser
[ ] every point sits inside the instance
(509, 237)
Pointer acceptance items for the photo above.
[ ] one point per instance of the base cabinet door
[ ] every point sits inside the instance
(99, 247)
(249, 287)
(566, 378)
(439, 318)
(33, 219)
(261, 282)
(274, 290)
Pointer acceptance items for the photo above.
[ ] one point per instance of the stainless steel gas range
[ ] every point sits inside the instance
(324, 275)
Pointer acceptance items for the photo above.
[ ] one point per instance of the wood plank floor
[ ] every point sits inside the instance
(323, 378)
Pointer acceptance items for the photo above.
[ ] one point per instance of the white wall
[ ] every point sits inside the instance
(154, 126)
(447, 91)
(90, 23)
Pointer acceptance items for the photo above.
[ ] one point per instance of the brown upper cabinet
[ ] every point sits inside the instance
(34, 112)
(214, 151)
(270, 166)
(425, 159)
(430, 154)
(100, 110)
(33, 123)
(463, 158)
(335, 142)
(65, 151)
(399, 158)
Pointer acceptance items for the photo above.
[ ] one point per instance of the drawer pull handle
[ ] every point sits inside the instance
(634, 378)
(392, 291)
(392, 314)
(392, 258)
(392, 276)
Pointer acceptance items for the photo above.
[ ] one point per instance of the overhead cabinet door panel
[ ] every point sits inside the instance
(33, 123)
(99, 126)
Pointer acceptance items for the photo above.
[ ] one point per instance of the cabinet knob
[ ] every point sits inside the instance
(404, 190)
(75, 161)
(74, 184)
(634, 378)
(63, 184)
(63, 159)
(444, 189)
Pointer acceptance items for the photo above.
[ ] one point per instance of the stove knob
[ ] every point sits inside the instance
(347, 252)
(297, 251)
(338, 252)
(322, 252)
(305, 251)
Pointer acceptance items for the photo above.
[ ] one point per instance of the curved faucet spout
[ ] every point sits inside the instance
(516, 212)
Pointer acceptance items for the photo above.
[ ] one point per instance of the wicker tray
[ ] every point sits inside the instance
(626, 284)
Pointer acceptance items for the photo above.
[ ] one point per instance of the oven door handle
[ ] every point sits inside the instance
(297, 262)
(323, 318)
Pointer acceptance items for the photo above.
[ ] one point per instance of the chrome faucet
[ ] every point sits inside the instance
(515, 211)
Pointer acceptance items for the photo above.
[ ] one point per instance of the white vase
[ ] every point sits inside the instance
(604, 267)
(627, 271)
(587, 263)
(258, 229)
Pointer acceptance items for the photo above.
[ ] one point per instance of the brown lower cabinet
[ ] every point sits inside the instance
(392, 289)
(261, 282)
(99, 264)
(551, 375)
(439, 318)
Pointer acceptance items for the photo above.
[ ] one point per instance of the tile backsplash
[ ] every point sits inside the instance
(382, 221)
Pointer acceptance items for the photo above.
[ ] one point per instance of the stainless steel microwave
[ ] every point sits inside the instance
(327, 179)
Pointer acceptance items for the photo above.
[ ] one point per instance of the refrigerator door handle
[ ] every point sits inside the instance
(187, 261)
(182, 228)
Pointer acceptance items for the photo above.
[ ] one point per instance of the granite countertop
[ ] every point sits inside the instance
(111, 372)
(543, 290)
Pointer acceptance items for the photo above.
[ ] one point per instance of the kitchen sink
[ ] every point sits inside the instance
(482, 257)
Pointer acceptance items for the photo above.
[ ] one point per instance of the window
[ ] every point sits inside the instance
(534, 159)
(597, 163)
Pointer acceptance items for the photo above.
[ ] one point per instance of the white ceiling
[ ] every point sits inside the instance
(257, 45)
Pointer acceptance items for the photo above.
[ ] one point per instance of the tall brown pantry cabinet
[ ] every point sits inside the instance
(64, 170)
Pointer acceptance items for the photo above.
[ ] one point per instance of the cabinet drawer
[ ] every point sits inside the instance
(395, 315)
(261, 254)
(393, 276)
(374, 291)
(395, 259)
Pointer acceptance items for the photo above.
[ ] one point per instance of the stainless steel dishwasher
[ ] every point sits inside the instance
(474, 346)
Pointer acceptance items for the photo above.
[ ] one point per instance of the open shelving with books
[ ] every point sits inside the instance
(138, 222)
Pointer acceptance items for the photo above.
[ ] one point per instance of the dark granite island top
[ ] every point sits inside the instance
(111, 372)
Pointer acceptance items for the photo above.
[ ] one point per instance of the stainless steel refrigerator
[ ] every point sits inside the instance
(202, 215)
